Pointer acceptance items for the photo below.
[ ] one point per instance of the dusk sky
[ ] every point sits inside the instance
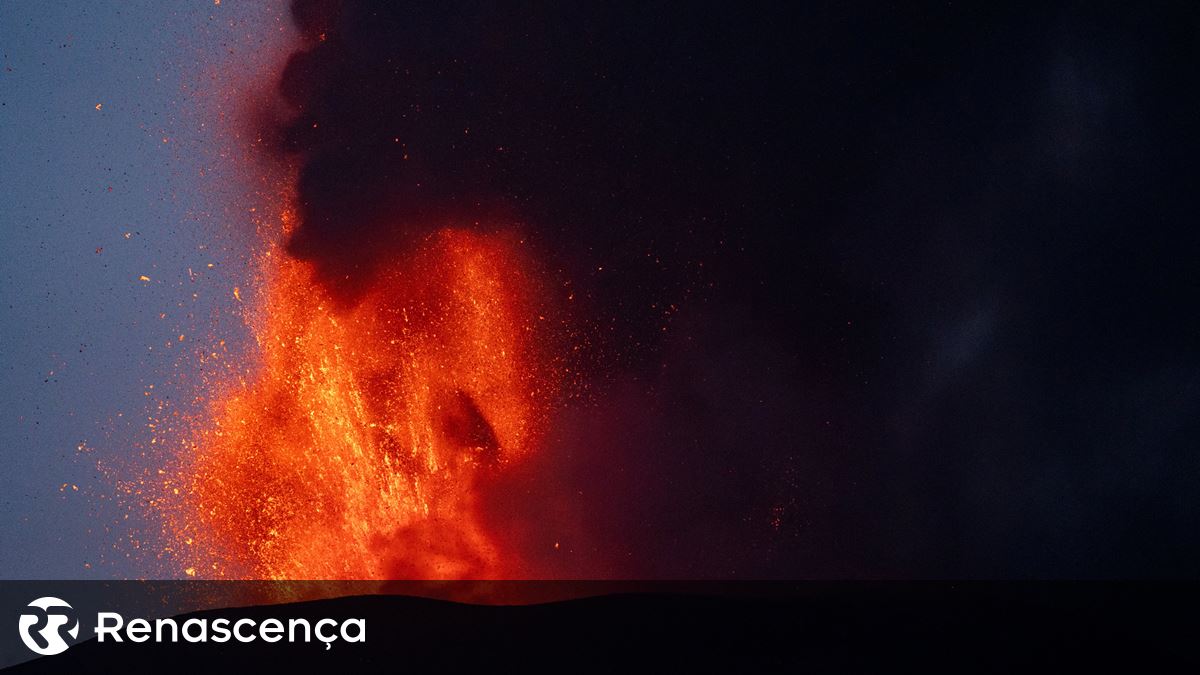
(103, 151)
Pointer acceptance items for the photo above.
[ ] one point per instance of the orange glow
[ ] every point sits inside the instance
(356, 448)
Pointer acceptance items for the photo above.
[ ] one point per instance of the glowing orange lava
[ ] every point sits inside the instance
(356, 450)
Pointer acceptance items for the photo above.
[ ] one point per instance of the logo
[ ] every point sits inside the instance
(49, 626)
(43, 629)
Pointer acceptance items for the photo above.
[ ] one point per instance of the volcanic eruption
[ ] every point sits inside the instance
(407, 352)
(485, 341)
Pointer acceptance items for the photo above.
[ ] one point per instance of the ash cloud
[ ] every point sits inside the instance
(826, 194)
(575, 122)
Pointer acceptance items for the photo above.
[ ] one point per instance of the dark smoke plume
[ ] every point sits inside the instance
(409, 118)
(898, 290)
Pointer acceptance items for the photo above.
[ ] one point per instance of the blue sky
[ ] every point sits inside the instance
(109, 171)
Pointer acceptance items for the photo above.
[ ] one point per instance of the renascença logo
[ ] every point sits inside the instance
(43, 629)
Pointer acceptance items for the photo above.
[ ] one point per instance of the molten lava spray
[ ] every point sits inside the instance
(357, 451)
(402, 363)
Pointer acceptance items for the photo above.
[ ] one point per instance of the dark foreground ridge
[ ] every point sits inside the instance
(973, 627)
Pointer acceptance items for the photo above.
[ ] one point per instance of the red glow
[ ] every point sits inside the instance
(357, 449)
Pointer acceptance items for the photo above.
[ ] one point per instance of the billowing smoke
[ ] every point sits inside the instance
(408, 119)
(848, 293)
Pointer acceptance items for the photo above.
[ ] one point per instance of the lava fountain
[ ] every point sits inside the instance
(358, 449)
